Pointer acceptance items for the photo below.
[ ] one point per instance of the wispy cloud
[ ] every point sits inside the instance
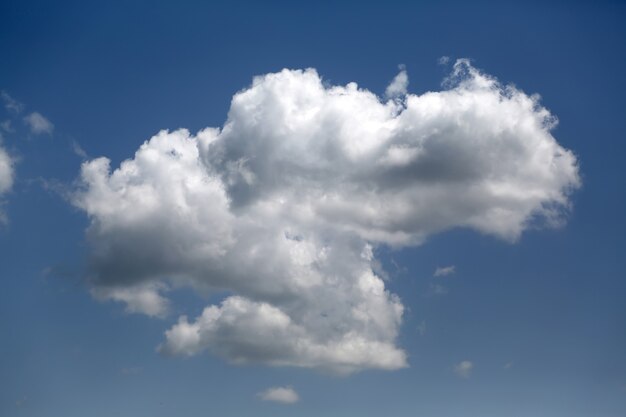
(421, 328)
(464, 369)
(7, 126)
(20, 402)
(10, 103)
(444, 271)
(133, 370)
(444, 60)
(437, 289)
(38, 124)
(78, 150)
(283, 395)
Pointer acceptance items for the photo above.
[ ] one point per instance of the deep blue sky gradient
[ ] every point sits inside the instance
(111, 74)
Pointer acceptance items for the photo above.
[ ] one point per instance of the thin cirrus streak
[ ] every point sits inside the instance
(284, 206)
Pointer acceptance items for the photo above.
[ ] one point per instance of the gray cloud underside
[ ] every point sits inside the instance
(284, 205)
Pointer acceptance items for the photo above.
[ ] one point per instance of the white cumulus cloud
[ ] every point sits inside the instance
(283, 207)
(284, 395)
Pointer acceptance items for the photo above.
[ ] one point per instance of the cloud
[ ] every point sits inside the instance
(398, 86)
(284, 207)
(437, 289)
(10, 103)
(38, 124)
(6, 171)
(443, 60)
(464, 369)
(421, 328)
(6, 126)
(20, 402)
(78, 150)
(133, 370)
(284, 395)
(247, 331)
(139, 298)
(444, 271)
(7, 177)
(7, 162)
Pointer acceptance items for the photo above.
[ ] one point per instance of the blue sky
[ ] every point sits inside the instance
(529, 322)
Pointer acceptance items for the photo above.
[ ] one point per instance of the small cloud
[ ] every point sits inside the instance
(421, 328)
(78, 150)
(508, 365)
(6, 126)
(284, 395)
(398, 86)
(464, 369)
(146, 299)
(10, 103)
(38, 123)
(21, 401)
(436, 289)
(134, 370)
(399, 269)
(7, 177)
(443, 60)
(52, 185)
(444, 271)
